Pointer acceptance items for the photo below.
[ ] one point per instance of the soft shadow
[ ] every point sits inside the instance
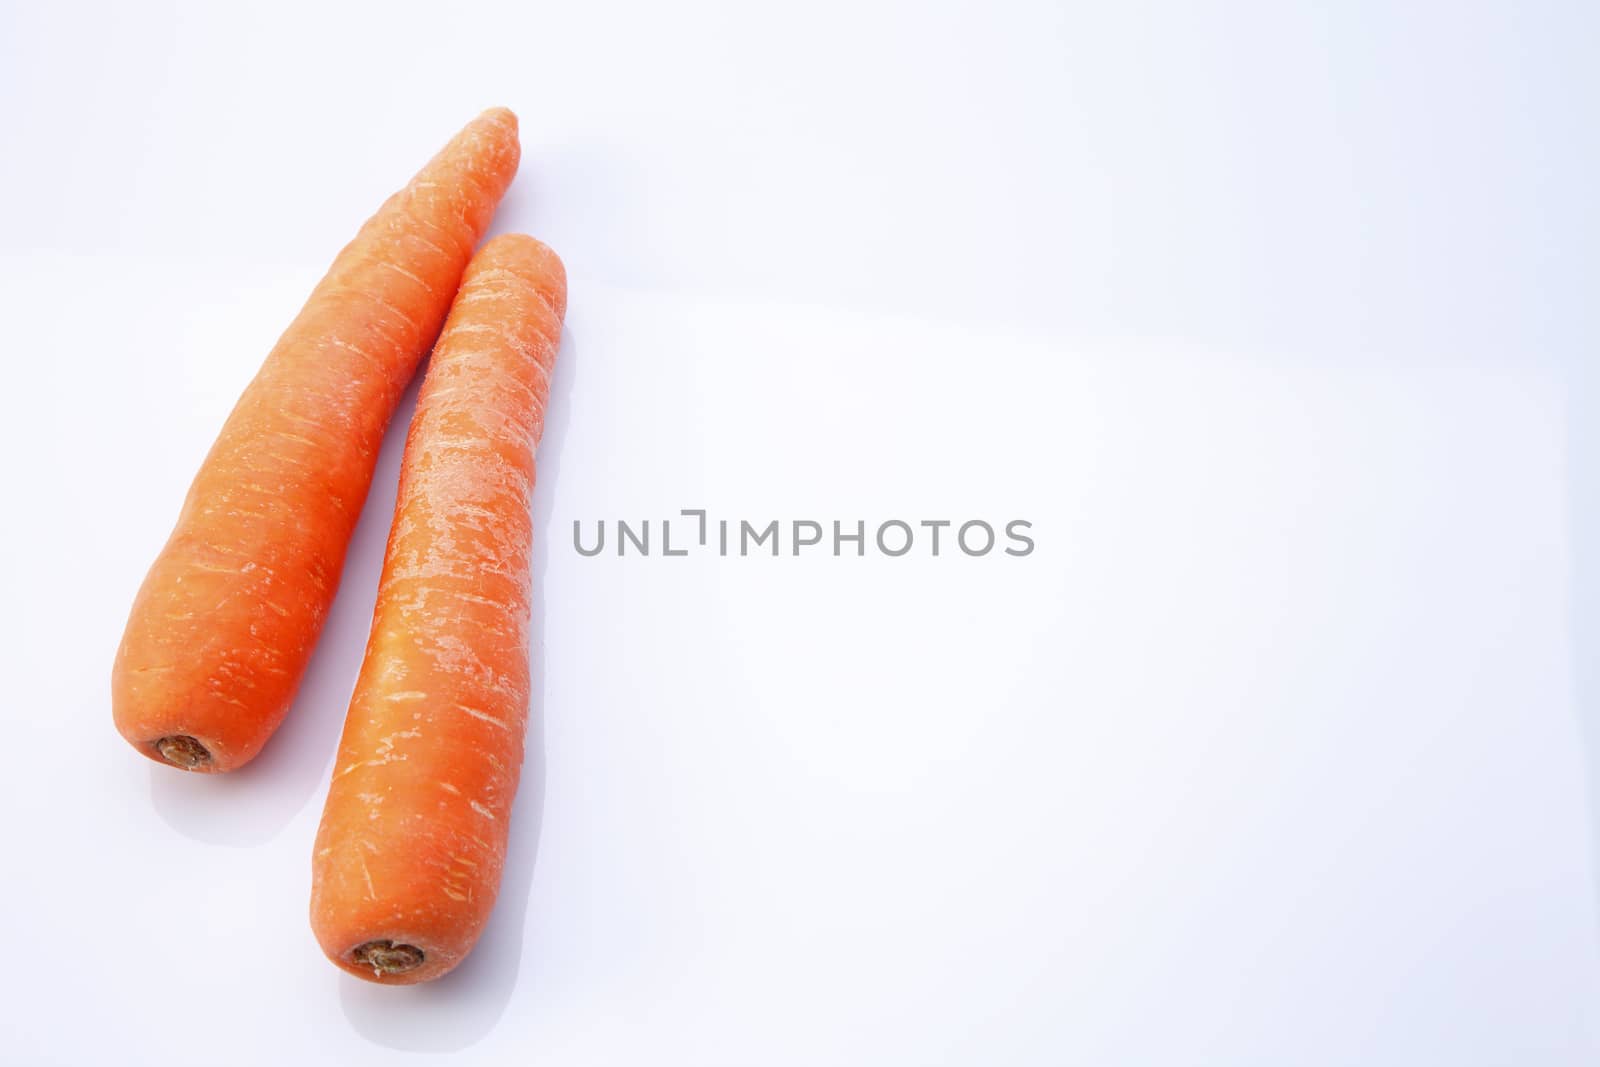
(1583, 510)
(460, 1009)
(254, 803)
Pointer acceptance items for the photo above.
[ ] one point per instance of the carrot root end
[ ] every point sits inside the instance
(181, 750)
(387, 957)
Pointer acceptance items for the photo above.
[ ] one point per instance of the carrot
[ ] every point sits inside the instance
(413, 837)
(224, 624)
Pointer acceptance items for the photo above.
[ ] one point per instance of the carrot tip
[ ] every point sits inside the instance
(386, 957)
(181, 750)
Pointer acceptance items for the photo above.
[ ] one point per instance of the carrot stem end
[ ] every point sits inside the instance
(387, 957)
(181, 750)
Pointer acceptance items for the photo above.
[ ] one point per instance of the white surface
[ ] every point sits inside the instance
(1280, 748)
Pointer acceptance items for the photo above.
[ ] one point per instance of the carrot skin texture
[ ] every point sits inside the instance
(224, 624)
(413, 835)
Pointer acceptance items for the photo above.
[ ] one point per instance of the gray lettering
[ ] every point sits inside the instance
(640, 542)
(666, 540)
(699, 513)
(798, 543)
(961, 537)
(745, 530)
(884, 548)
(935, 525)
(859, 537)
(1011, 532)
(577, 542)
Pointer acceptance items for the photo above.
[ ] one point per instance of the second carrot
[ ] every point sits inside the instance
(413, 838)
(223, 627)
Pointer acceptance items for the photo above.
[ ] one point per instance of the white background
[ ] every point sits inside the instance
(1275, 320)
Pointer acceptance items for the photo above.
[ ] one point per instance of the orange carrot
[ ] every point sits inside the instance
(408, 857)
(224, 624)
